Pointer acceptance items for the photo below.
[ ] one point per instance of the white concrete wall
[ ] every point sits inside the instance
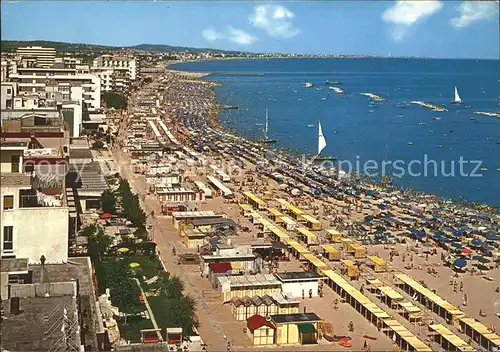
(296, 288)
(36, 231)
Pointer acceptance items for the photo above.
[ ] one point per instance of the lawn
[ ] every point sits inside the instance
(132, 330)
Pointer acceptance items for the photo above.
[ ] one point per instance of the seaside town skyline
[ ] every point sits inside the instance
(440, 29)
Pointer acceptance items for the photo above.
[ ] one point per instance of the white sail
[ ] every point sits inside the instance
(457, 97)
(267, 124)
(321, 139)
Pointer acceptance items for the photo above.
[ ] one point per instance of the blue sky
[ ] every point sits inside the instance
(403, 28)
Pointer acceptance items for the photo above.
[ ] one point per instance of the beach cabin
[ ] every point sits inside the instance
(288, 223)
(178, 194)
(245, 210)
(335, 236)
(285, 303)
(254, 201)
(350, 269)
(300, 283)
(377, 264)
(346, 244)
(307, 236)
(299, 328)
(261, 330)
(330, 252)
(358, 251)
(247, 285)
(294, 212)
(193, 238)
(275, 215)
(183, 217)
(312, 223)
(244, 307)
(448, 340)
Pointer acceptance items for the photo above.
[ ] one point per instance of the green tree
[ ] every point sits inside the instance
(125, 295)
(98, 244)
(108, 202)
(172, 288)
(180, 312)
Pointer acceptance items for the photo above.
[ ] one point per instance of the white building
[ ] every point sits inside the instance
(116, 72)
(300, 283)
(33, 223)
(42, 57)
(84, 88)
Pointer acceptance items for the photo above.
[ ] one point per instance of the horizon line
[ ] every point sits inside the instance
(249, 52)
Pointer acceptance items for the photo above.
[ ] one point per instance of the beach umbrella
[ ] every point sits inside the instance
(460, 263)
(476, 242)
(467, 251)
(134, 265)
(122, 250)
(369, 218)
(106, 215)
(420, 235)
(482, 259)
(491, 236)
(456, 245)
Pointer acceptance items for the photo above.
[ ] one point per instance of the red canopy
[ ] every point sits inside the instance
(256, 321)
(220, 268)
(106, 215)
(467, 251)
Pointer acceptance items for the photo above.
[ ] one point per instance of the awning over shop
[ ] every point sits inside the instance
(306, 328)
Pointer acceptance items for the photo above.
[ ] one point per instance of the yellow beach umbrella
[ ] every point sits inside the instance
(134, 265)
(122, 250)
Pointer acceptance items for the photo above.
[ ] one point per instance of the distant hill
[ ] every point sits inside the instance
(12, 45)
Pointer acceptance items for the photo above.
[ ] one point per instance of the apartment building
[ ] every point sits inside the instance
(84, 88)
(116, 72)
(36, 56)
(36, 214)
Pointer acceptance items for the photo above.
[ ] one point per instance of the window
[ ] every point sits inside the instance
(8, 202)
(14, 163)
(9, 91)
(8, 238)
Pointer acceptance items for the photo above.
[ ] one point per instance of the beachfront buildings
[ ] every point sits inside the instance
(117, 72)
(36, 56)
(72, 86)
(36, 214)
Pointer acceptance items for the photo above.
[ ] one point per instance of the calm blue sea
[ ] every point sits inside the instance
(356, 129)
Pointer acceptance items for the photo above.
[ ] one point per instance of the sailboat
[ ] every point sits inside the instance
(457, 100)
(266, 139)
(321, 146)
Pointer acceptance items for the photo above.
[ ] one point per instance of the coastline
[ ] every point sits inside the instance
(214, 117)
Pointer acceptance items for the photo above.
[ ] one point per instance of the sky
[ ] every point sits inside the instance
(441, 29)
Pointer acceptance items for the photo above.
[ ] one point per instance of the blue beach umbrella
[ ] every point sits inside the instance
(460, 263)
(476, 242)
(456, 245)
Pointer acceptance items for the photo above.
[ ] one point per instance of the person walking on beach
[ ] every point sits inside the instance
(461, 286)
(351, 326)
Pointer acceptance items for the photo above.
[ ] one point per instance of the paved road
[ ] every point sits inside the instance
(164, 237)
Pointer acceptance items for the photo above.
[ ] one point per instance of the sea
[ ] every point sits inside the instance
(454, 154)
